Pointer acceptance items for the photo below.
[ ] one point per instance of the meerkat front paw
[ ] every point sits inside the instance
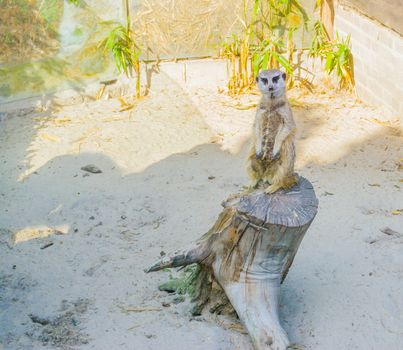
(271, 189)
(254, 184)
(259, 154)
(275, 156)
(247, 190)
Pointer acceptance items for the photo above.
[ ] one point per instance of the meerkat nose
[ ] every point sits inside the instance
(271, 88)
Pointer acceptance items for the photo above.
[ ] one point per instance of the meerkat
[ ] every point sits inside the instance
(272, 156)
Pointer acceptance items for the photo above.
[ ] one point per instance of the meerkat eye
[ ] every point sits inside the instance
(265, 81)
(275, 79)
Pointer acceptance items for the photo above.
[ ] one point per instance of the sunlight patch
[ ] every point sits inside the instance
(29, 233)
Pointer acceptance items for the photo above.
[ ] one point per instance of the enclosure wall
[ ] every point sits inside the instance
(378, 58)
(387, 12)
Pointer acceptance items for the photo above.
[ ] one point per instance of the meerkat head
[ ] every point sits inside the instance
(271, 82)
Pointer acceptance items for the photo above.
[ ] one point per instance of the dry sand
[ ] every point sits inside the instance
(73, 244)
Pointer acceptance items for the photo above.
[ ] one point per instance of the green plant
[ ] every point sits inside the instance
(275, 46)
(266, 40)
(125, 51)
(185, 284)
(319, 41)
(340, 60)
(237, 49)
(336, 54)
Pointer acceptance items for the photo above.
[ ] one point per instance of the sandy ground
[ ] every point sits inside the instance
(73, 244)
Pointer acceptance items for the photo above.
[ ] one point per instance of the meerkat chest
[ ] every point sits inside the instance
(271, 124)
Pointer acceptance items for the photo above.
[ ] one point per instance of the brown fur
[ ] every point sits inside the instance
(277, 122)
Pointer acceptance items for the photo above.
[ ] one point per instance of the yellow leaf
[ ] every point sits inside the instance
(397, 211)
(50, 137)
(126, 108)
(62, 120)
(294, 20)
(216, 139)
(122, 101)
(42, 119)
(100, 92)
(380, 122)
(238, 105)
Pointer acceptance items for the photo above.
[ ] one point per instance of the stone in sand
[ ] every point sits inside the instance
(91, 168)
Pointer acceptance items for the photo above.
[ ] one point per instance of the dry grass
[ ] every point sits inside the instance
(24, 33)
(182, 28)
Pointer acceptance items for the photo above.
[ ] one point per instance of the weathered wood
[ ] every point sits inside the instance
(248, 253)
(327, 17)
(292, 208)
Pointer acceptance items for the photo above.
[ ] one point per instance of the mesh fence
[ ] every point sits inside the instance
(51, 44)
(48, 45)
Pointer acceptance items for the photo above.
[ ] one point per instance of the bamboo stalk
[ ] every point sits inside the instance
(137, 71)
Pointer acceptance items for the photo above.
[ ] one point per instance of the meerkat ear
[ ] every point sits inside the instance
(257, 79)
(284, 76)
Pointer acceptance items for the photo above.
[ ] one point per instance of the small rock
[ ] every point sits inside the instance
(91, 168)
(197, 318)
(388, 231)
(327, 194)
(41, 320)
(367, 211)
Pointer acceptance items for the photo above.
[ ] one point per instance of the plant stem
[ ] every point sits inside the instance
(137, 71)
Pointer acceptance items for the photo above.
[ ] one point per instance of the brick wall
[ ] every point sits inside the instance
(378, 59)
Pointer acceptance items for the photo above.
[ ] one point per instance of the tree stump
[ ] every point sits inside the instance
(247, 254)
